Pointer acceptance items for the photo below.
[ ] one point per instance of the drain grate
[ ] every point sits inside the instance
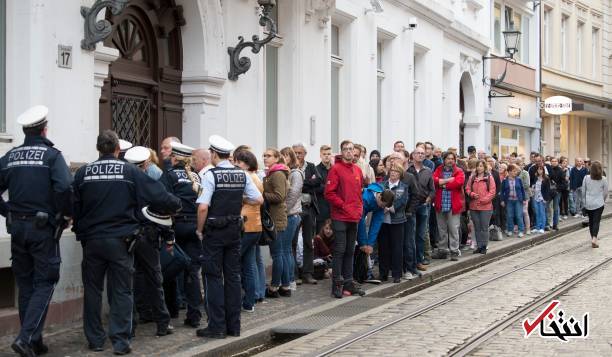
(328, 317)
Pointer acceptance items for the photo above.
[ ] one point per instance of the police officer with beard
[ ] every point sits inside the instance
(107, 194)
(181, 181)
(38, 181)
(220, 226)
(149, 298)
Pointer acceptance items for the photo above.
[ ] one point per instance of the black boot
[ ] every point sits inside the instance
(353, 289)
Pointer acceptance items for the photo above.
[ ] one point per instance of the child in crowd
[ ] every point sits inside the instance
(322, 246)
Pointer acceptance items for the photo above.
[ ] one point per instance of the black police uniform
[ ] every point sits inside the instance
(178, 183)
(107, 193)
(221, 263)
(38, 180)
(149, 299)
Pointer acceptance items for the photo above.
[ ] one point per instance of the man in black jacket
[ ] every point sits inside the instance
(421, 215)
(321, 171)
(557, 176)
(309, 211)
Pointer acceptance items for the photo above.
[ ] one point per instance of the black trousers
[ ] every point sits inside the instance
(390, 250)
(187, 239)
(564, 203)
(149, 298)
(221, 268)
(308, 227)
(35, 262)
(433, 227)
(594, 220)
(107, 257)
(343, 251)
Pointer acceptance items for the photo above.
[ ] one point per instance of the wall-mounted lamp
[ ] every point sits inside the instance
(376, 7)
(512, 39)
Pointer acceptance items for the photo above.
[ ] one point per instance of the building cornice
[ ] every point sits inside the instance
(577, 95)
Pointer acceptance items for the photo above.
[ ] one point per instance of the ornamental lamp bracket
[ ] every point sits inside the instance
(240, 65)
(97, 31)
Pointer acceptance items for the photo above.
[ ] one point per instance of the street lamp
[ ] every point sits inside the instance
(239, 65)
(512, 40)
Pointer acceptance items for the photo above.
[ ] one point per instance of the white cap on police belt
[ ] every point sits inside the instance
(34, 116)
(137, 155)
(220, 144)
(124, 145)
(181, 149)
(164, 220)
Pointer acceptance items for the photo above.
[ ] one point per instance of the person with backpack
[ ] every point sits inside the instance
(513, 198)
(481, 191)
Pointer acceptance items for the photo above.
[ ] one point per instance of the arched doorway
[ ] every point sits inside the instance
(141, 99)
(467, 104)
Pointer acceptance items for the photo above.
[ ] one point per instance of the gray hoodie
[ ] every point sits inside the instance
(594, 192)
(294, 196)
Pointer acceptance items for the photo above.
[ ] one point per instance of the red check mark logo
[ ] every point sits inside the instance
(529, 327)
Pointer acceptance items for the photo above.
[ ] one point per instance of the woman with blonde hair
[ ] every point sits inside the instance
(594, 195)
(294, 205)
(182, 182)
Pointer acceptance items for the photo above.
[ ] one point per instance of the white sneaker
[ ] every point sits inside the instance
(293, 286)
(576, 215)
(407, 276)
(251, 310)
(529, 232)
(564, 217)
(520, 235)
(508, 234)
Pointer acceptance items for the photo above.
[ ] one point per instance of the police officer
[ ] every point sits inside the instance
(220, 226)
(124, 146)
(181, 181)
(107, 194)
(38, 181)
(149, 298)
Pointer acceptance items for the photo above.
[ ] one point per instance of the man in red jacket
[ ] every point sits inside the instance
(343, 192)
(448, 179)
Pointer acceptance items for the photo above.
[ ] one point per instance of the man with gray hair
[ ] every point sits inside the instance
(166, 149)
(310, 210)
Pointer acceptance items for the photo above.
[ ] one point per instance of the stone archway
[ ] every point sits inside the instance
(141, 98)
(467, 109)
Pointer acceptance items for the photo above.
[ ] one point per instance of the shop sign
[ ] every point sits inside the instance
(558, 105)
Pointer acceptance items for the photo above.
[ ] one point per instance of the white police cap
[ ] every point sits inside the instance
(220, 144)
(164, 220)
(124, 145)
(137, 155)
(181, 149)
(34, 116)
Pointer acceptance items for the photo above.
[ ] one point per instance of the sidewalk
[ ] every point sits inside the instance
(310, 307)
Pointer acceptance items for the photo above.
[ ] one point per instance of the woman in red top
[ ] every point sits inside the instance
(481, 191)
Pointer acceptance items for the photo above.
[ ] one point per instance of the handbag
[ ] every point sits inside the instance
(174, 262)
(268, 230)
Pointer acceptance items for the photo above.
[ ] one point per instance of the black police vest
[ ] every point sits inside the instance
(178, 183)
(229, 188)
(37, 178)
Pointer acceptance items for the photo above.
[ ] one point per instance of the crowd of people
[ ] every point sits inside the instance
(189, 227)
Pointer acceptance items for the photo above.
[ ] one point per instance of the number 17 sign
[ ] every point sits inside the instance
(64, 56)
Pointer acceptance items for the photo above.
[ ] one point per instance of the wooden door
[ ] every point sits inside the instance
(141, 99)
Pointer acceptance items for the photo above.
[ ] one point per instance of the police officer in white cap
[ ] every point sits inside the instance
(124, 146)
(220, 226)
(40, 194)
(181, 181)
(149, 298)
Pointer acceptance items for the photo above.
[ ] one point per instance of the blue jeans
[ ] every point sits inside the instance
(282, 254)
(249, 268)
(540, 213)
(260, 286)
(410, 252)
(514, 215)
(293, 224)
(556, 200)
(422, 221)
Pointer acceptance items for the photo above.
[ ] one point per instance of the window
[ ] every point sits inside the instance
(546, 37)
(525, 41)
(579, 35)
(336, 66)
(564, 42)
(271, 96)
(379, 84)
(497, 35)
(595, 52)
(2, 66)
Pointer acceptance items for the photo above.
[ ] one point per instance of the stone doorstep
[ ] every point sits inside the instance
(447, 269)
(60, 313)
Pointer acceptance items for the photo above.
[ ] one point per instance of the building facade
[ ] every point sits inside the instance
(576, 64)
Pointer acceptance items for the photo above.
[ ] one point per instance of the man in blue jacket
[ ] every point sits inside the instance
(577, 174)
(375, 199)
